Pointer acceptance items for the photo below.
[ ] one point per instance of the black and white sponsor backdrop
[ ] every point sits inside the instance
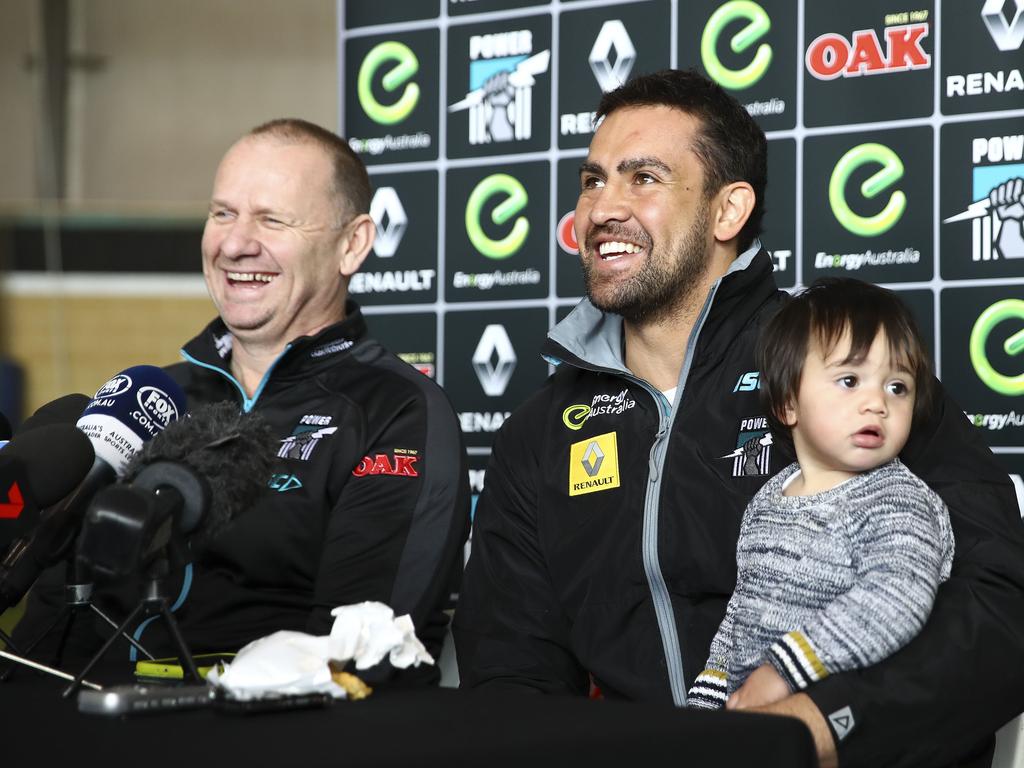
(896, 131)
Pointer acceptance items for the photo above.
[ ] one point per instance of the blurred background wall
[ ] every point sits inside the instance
(115, 115)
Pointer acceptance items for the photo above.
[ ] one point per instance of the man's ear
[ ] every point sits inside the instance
(735, 202)
(355, 244)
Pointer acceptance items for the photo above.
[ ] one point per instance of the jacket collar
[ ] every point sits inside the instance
(592, 338)
(212, 347)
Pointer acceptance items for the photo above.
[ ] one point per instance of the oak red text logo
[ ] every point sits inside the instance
(400, 465)
(831, 55)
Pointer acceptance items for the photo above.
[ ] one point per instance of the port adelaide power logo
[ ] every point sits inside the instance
(311, 429)
(752, 455)
(499, 100)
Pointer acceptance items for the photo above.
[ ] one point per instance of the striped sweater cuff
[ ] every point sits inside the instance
(795, 659)
(709, 690)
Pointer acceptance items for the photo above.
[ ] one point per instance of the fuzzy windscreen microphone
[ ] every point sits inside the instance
(218, 459)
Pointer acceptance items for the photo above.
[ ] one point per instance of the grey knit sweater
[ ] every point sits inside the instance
(829, 582)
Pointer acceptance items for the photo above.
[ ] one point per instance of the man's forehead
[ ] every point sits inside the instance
(643, 131)
(275, 163)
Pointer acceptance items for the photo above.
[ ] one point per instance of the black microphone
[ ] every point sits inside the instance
(5, 428)
(37, 470)
(64, 410)
(132, 407)
(193, 480)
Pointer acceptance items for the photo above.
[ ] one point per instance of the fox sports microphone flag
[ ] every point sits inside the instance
(132, 407)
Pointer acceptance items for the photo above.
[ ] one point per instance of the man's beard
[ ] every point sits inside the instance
(665, 281)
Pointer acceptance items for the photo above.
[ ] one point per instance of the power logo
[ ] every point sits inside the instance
(405, 66)
(515, 201)
(890, 172)
(758, 25)
(831, 55)
(390, 219)
(1011, 310)
(594, 465)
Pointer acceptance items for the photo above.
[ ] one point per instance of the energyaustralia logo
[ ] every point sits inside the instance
(750, 37)
(1007, 310)
(399, 65)
(890, 172)
(996, 421)
(1004, 20)
(611, 60)
(832, 56)
(575, 416)
(502, 73)
(997, 191)
(494, 360)
(514, 201)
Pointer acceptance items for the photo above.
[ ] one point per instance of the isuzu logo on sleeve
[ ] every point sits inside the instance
(613, 38)
(390, 219)
(494, 360)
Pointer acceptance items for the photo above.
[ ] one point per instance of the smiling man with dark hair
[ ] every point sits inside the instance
(604, 543)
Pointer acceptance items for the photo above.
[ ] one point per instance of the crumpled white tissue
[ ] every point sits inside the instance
(291, 663)
(368, 631)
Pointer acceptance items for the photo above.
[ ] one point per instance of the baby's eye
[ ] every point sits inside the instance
(847, 382)
(898, 388)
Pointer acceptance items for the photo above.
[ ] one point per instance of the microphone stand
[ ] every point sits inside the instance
(154, 602)
(77, 598)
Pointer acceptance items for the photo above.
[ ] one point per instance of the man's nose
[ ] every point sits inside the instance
(610, 204)
(240, 239)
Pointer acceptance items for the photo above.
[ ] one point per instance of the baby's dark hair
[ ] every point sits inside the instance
(823, 313)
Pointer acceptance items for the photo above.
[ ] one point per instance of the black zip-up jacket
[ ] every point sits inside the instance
(604, 543)
(368, 498)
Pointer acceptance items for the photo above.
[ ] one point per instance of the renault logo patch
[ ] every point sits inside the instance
(593, 465)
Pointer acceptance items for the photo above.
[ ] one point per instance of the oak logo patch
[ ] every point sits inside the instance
(594, 464)
(401, 463)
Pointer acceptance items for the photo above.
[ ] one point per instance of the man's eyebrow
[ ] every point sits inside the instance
(588, 167)
(636, 163)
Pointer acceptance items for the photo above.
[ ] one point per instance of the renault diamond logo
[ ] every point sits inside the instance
(1005, 26)
(390, 219)
(612, 37)
(494, 360)
(592, 459)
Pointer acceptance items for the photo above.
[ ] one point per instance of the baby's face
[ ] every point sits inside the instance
(850, 416)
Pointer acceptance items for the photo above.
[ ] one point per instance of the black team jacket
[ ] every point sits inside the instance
(368, 499)
(604, 543)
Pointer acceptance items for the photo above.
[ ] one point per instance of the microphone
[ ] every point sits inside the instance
(63, 410)
(193, 480)
(132, 407)
(37, 470)
(5, 429)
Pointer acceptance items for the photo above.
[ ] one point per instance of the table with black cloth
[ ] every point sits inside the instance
(440, 727)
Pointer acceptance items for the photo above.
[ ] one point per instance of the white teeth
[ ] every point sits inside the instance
(615, 249)
(248, 277)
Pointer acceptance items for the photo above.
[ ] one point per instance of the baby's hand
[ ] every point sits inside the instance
(764, 686)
